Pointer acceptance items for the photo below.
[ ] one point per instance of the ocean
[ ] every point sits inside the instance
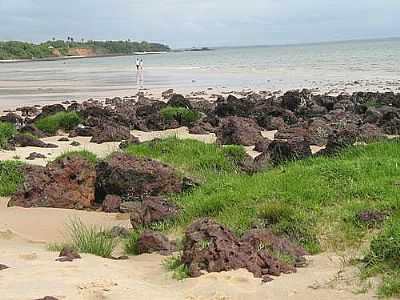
(362, 65)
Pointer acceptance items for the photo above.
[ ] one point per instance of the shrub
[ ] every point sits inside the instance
(7, 131)
(10, 176)
(61, 120)
(175, 265)
(183, 115)
(90, 239)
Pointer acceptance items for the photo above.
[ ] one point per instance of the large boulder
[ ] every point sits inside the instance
(133, 177)
(233, 106)
(27, 140)
(150, 210)
(179, 101)
(65, 183)
(211, 247)
(239, 131)
(108, 132)
(292, 100)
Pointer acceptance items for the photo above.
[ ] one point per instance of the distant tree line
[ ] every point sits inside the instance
(24, 50)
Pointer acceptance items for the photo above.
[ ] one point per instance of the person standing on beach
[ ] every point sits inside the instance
(141, 66)
(137, 64)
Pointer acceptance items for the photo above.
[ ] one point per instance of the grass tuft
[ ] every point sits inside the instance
(10, 177)
(7, 131)
(61, 120)
(174, 264)
(91, 239)
(85, 154)
(131, 243)
(182, 115)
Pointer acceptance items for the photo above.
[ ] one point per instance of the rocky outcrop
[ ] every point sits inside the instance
(179, 101)
(26, 140)
(286, 150)
(239, 131)
(108, 132)
(211, 247)
(112, 204)
(133, 177)
(65, 183)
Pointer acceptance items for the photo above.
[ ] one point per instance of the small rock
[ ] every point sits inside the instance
(35, 155)
(75, 144)
(63, 139)
(151, 241)
(68, 254)
(3, 267)
(119, 231)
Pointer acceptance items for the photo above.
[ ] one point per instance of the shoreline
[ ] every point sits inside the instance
(12, 61)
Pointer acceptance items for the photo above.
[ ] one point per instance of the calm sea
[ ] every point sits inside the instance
(373, 65)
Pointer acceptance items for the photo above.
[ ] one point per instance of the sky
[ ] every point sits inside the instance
(189, 23)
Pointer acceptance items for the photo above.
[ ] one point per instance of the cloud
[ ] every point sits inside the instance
(185, 23)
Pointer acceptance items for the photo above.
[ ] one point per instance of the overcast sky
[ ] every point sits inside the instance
(187, 23)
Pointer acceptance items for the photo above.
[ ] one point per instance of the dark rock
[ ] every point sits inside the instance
(211, 247)
(292, 100)
(134, 177)
(63, 139)
(372, 217)
(119, 231)
(68, 254)
(3, 267)
(81, 131)
(239, 131)
(262, 145)
(48, 298)
(150, 242)
(179, 101)
(65, 183)
(340, 139)
(152, 209)
(108, 132)
(33, 130)
(26, 140)
(233, 106)
(285, 150)
(111, 203)
(35, 155)
(12, 118)
(48, 110)
(167, 94)
(75, 144)
(28, 111)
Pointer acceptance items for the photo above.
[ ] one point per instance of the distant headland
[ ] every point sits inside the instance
(59, 49)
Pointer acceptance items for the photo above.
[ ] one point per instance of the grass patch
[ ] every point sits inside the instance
(131, 243)
(189, 155)
(56, 247)
(85, 154)
(61, 120)
(89, 239)
(10, 177)
(7, 131)
(183, 115)
(179, 270)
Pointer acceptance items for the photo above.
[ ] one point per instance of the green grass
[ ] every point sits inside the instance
(183, 115)
(383, 257)
(10, 177)
(174, 264)
(61, 120)
(131, 243)
(7, 131)
(89, 239)
(189, 155)
(56, 247)
(89, 156)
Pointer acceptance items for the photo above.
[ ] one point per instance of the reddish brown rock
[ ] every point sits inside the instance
(68, 254)
(150, 242)
(134, 177)
(285, 150)
(111, 203)
(26, 140)
(239, 131)
(65, 183)
(211, 247)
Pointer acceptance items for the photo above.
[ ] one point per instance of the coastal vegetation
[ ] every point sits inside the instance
(61, 120)
(10, 177)
(54, 48)
(7, 131)
(181, 114)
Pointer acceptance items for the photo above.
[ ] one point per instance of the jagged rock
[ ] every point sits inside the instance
(48, 110)
(64, 183)
(179, 101)
(262, 145)
(108, 132)
(167, 94)
(134, 177)
(12, 118)
(28, 111)
(239, 131)
(3, 267)
(33, 130)
(292, 100)
(81, 130)
(75, 144)
(152, 209)
(26, 140)
(35, 155)
(119, 231)
(233, 106)
(341, 139)
(292, 149)
(150, 242)
(111, 203)
(63, 139)
(212, 247)
(68, 254)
